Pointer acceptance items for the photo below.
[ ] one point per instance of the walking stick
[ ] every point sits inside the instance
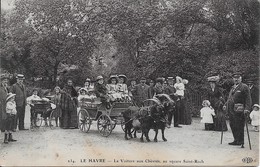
(221, 132)
(247, 133)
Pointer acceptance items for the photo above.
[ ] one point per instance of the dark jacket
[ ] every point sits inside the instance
(70, 90)
(254, 91)
(100, 90)
(20, 92)
(141, 92)
(3, 95)
(240, 94)
(214, 96)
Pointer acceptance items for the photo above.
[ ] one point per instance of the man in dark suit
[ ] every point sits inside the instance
(238, 105)
(170, 90)
(254, 92)
(20, 90)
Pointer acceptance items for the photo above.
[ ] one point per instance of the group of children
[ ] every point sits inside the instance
(115, 90)
(207, 113)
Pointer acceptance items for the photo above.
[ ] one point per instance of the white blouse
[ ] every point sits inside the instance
(179, 89)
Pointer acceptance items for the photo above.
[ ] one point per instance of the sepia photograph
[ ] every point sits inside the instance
(129, 82)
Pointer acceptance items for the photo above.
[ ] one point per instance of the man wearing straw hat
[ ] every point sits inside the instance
(20, 90)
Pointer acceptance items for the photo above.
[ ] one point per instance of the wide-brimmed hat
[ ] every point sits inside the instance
(213, 78)
(9, 96)
(236, 74)
(178, 79)
(88, 80)
(99, 77)
(81, 89)
(112, 77)
(122, 76)
(4, 76)
(256, 105)
(159, 80)
(20, 76)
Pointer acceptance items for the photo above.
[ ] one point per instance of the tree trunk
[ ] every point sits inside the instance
(55, 73)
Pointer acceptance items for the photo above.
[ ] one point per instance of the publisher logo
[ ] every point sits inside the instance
(247, 160)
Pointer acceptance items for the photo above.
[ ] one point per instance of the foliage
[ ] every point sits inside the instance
(150, 38)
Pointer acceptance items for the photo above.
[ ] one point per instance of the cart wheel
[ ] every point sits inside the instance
(123, 127)
(84, 120)
(52, 121)
(104, 125)
(38, 120)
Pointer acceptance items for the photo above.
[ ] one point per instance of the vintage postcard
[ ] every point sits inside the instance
(129, 83)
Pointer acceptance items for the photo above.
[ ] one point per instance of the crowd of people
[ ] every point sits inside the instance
(66, 100)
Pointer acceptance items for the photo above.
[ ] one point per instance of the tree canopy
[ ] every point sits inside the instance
(151, 38)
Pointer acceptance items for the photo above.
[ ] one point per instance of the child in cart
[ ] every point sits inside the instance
(112, 88)
(122, 88)
(102, 92)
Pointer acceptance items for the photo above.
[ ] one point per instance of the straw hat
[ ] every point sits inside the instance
(9, 96)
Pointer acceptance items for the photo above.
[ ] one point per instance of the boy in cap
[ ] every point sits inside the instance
(101, 91)
(10, 112)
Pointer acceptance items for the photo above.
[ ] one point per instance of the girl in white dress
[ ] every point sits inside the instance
(206, 114)
(254, 115)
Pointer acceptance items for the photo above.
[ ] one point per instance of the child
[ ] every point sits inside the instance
(101, 92)
(30, 100)
(122, 88)
(10, 112)
(206, 114)
(254, 115)
(112, 88)
(57, 102)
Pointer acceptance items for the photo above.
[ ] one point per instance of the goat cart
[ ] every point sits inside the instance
(40, 111)
(107, 119)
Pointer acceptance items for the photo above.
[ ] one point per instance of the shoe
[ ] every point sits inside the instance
(234, 143)
(177, 126)
(11, 138)
(6, 139)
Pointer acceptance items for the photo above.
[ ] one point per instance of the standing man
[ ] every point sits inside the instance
(170, 90)
(3, 94)
(238, 104)
(254, 92)
(141, 91)
(20, 90)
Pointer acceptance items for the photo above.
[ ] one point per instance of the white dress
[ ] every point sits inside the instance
(254, 115)
(206, 114)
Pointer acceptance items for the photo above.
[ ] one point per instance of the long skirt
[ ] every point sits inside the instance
(220, 122)
(69, 116)
(184, 112)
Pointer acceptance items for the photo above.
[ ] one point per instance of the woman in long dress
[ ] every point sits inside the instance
(216, 98)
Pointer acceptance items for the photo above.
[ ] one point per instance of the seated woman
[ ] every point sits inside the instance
(112, 88)
(122, 88)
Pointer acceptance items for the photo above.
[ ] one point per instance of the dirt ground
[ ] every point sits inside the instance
(186, 146)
